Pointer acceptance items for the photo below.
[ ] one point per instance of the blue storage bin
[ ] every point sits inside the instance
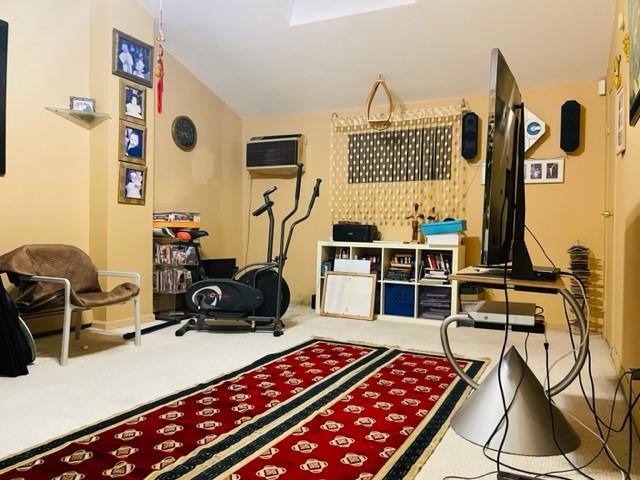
(399, 300)
(452, 226)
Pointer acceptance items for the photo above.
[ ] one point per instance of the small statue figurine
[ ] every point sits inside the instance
(416, 220)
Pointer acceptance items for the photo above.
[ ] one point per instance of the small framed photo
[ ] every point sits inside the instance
(132, 184)
(620, 122)
(81, 104)
(544, 171)
(132, 142)
(133, 102)
(132, 59)
(535, 171)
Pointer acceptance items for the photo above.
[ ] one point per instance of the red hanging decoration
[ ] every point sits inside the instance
(159, 71)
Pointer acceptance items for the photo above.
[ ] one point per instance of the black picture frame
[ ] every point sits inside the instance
(132, 59)
(633, 28)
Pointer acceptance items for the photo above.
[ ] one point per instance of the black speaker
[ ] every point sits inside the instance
(4, 36)
(469, 143)
(570, 126)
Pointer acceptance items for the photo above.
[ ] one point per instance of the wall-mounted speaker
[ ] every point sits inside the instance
(570, 126)
(4, 37)
(469, 143)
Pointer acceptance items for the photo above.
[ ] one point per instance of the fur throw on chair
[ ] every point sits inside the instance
(64, 261)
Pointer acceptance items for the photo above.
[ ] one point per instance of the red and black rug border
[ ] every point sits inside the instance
(23, 456)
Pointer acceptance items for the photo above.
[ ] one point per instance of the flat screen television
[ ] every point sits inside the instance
(503, 226)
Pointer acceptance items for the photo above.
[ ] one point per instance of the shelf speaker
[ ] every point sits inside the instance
(4, 37)
(469, 143)
(570, 126)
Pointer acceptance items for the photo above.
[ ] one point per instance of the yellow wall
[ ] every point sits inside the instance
(61, 185)
(559, 215)
(623, 312)
(207, 179)
(46, 188)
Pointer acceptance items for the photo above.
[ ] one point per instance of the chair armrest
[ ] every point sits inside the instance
(111, 273)
(61, 280)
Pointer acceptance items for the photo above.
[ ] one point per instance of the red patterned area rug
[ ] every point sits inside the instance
(321, 410)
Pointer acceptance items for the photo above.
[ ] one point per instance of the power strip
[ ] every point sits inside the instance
(513, 476)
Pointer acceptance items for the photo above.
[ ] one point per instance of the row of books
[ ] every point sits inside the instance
(400, 267)
(173, 280)
(175, 254)
(437, 261)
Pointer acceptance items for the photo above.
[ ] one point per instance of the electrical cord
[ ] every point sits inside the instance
(526, 360)
(541, 247)
(584, 339)
(455, 477)
(502, 352)
(553, 427)
(595, 457)
(592, 407)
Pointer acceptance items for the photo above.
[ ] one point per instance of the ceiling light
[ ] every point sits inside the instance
(311, 11)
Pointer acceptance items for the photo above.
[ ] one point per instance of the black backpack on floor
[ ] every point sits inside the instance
(16, 344)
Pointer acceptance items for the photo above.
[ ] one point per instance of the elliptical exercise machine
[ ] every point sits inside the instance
(257, 294)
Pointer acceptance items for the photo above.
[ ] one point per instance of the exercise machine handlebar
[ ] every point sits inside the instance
(298, 181)
(268, 207)
(312, 201)
(263, 208)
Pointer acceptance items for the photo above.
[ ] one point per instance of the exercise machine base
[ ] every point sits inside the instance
(202, 323)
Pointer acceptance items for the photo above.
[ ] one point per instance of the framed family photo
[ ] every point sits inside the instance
(132, 142)
(633, 29)
(132, 59)
(82, 104)
(133, 102)
(132, 184)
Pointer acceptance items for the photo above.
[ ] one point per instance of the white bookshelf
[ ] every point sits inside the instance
(326, 252)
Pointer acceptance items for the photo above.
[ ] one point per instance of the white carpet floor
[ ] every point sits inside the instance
(111, 375)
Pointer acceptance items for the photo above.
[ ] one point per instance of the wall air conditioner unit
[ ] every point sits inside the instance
(275, 154)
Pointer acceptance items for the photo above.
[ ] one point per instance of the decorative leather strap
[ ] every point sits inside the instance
(381, 124)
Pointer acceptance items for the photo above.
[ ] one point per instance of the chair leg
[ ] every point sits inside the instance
(136, 318)
(78, 322)
(66, 327)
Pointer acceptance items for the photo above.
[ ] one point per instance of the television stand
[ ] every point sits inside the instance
(542, 274)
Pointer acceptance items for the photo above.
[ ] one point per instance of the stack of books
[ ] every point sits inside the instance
(401, 267)
(435, 303)
(176, 220)
(436, 266)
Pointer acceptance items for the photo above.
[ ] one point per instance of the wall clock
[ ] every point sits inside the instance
(184, 133)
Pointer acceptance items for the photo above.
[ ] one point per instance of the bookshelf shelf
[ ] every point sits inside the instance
(425, 301)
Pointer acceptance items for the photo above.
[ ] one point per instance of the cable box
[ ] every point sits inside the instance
(489, 311)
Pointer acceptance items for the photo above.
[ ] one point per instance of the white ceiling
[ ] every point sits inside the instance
(249, 55)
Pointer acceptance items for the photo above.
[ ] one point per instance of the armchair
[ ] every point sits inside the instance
(64, 277)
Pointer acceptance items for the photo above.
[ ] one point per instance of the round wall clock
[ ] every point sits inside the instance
(184, 133)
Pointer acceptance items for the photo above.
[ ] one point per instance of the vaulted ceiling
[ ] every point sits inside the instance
(247, 52)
